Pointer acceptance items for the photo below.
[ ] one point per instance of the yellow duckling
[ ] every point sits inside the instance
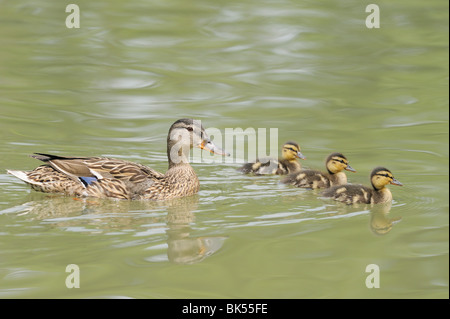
(335, 164)
(352, 194)
(288, 163)
(114, 178)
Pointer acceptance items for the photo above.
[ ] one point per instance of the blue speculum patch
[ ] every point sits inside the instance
(87, 180)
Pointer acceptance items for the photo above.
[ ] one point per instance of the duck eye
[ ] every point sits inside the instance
(190, 128)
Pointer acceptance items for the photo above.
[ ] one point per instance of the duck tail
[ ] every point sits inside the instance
(22, 175)
(45, 157)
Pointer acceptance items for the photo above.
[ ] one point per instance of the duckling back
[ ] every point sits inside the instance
(314, 179)
(352, 194)
(270, 166)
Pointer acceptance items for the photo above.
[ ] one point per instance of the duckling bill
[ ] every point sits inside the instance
(379, 193)
(113, 178)
(335, 163)
(288, 163)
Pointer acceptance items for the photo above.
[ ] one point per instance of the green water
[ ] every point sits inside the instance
(311, 69)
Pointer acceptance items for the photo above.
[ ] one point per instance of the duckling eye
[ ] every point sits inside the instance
(189, 128)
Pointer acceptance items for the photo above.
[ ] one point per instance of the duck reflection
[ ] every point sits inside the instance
(174, 217)
(380, 222)
(182, 247)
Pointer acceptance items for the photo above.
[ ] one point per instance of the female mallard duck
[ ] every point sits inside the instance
(288, 163)
(335, 165)
(352, 194)
(107, 177)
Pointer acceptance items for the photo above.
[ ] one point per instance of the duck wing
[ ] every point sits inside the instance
(134, 176)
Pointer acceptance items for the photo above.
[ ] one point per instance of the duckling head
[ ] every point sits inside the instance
(291, 151)
(380, 177)
(185, 134)
(336, 162)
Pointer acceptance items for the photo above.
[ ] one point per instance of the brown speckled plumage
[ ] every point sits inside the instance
(179, 181)
(113, 178)
(48, 180)
(353, 194)
(335, 164)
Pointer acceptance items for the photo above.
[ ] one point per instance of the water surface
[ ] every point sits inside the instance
(310, 69)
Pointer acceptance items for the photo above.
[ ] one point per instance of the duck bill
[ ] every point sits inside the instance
(350, 169)
(211, 147)
(300, 155)
(396, 182)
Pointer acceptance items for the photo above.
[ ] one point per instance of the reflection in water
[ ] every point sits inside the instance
(182, 248)
(173, 217)
(380, 223)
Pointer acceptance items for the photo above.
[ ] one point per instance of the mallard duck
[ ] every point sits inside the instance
(379, 193)
(108, 177)
(290, 152)
(335, 164)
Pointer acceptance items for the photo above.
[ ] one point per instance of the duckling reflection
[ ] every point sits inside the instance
(100, 216)
(380, 223)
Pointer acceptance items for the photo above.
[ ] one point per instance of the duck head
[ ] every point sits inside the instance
(185, 134)
(337, 162)
(291, 151)
(380, 177)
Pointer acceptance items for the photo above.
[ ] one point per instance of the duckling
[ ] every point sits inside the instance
(288, 163)
(335, 164)
(352, 194)
(114, 178)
